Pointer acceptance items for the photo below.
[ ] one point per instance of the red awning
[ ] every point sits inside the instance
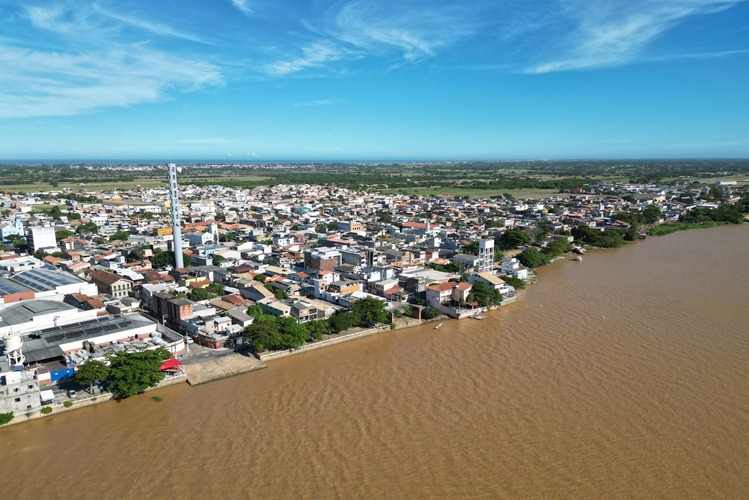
(170, 363)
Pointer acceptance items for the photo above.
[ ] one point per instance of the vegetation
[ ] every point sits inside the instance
(485, 295)
(275, 333)
(46, 410)
(91, 372)
(67, 404)
(606, 239)
(430, 312)
(514, 282)
(513, 238)
(6, 417)
(131, 373)
(369, 311)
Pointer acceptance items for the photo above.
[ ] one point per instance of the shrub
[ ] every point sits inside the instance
(6, 417)
(46, 410)
(67, 404)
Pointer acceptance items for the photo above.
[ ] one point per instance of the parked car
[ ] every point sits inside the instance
(71, 393)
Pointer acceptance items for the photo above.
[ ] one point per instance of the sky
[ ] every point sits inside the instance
(325, 80)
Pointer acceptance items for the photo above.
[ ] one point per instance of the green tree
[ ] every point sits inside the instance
(263, 333)
(255, 311)
(6, 417)
(484, 294)
(368, 311)
(531, 257)
(430, 312)
(120, 236)
(293, 333)
(341, 322)
(91, 372)
(317, 328)
(63, 233)
(131, 373)
(199, 294)
(513, 238)
(651, 214)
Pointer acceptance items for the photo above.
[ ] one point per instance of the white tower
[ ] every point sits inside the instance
(486, 255)
(174, 211)
(14, 350)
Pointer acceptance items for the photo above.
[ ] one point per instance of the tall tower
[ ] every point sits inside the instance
(486, 255)
(174, 211)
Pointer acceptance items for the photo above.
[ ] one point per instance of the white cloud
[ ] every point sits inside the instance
(246, 7)
(614, 32)
(206, 141)
(314, 55)
(86, 65)
(415, 29)
(38, 83)
(149, 26)
(314, 103)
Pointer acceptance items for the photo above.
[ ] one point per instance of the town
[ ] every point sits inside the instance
(169, 277)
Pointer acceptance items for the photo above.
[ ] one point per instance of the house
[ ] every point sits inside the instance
(511, 265)
(440, 293)
(111, 284)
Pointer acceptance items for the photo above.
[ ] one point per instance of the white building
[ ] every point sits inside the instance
(41, 238)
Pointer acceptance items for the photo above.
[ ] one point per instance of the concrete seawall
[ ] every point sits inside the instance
(343, 338)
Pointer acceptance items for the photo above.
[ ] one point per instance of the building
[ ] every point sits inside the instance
(321, 259)
(42, 283)
(14, 228)
(486, 256)
(111, 284)
(171, 309)
(41, 238)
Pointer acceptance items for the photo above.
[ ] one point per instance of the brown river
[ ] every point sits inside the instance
(621, 376)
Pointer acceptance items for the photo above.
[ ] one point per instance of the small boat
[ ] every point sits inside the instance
(643, 236)
(577, 259)
(438, 326)
(479, 317)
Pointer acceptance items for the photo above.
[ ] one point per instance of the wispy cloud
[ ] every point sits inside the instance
(614, 32)
(314, 103)
(149, 26)
(36, 83)
(69, 79)
(206, 141)
(246, 7)
(415, 29)
(313, 56)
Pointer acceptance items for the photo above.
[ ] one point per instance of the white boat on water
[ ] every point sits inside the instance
(438, 326)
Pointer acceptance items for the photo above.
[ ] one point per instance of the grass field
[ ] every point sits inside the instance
(535, 194)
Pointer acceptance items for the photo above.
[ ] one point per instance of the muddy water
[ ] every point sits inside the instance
(624, 375)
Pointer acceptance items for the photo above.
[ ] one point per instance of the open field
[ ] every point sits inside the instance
(520, 194)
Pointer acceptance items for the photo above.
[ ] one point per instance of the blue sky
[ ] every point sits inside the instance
(246, 80)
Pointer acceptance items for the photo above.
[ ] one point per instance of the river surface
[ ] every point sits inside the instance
(624, 375)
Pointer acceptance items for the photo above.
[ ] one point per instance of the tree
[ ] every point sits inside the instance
(430, 312)
(254, 311)
(218, 258)
(6, 417)
(369, 311)
(63, 233)
(317, 328)
(120, 235)
(263, 333)
(651, 214)
(131, 373)
(513, 238)
(199, 294)
(484, 294)
(341, 322)
(293, 333)
(91, 372)
(531, 257)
